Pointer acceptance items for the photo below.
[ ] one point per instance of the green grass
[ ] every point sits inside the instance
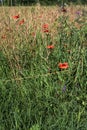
(34, 93)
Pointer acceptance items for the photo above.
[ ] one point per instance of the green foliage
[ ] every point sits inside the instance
(42, 2)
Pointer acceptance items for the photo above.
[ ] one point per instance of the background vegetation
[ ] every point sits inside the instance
(42, 2)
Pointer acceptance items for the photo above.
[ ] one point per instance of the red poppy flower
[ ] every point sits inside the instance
(21, 22)
(16, 16)
(64, 10)
(40, 16)
(3, 36)
(63, 65)
(45, 26)
(46, 30)
(50, 46)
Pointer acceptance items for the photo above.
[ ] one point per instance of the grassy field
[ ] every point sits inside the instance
(43, 68)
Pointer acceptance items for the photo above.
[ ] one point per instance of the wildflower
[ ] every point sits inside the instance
(50, 46)
(63, 65)
(3, 36)
(15, 16)
(64, 89)
(45, 28)
(40, 16)
(78, 12)
(63, 10)
(21, 22)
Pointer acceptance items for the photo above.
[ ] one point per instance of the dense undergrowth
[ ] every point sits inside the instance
(35, 92)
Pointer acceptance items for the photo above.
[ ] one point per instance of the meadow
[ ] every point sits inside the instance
(43, 68)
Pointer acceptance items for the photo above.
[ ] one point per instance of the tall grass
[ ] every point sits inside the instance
(35, 94)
